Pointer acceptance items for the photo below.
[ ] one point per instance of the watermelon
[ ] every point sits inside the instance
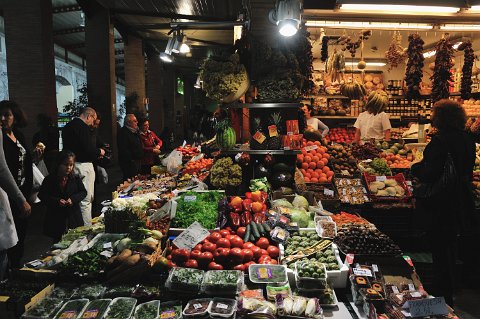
(226, 137)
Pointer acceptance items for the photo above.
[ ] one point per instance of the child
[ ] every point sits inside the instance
(61, 192)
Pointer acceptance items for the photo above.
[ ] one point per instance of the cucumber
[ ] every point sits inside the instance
(261, 230)
(252, 238)
(255, 231)
(246, 237)
(266, 227)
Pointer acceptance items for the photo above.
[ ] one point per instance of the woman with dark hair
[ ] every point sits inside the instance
(374, 123)
(62, 191)
(448, 213)
(151, 144)
(314, 125)
(19, 162)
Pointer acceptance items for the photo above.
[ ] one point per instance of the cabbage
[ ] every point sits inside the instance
(300, 217)
(282, 202)
(311, 224)
(300, 202)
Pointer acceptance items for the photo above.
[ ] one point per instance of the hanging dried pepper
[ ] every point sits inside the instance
(414, 73)
(469, 57)
(442, 74)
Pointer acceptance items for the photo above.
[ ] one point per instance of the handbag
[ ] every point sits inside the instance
(448, 180)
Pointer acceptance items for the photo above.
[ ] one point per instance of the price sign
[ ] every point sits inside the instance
(194, 234)
(381, 178)
(310, 148)
(190, 198)
(328, 192)
(345, 172)
(197, 306)
(362, 272)
(259, 137)
(272, 130)
(428, 307)
(222, 306)
(107, 245)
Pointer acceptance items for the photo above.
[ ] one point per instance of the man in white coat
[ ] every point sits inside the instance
(8, 187)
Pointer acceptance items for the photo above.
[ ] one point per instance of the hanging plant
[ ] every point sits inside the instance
(395, 54)
(324, 52)
(442, 75)
(414, 73)
(469, 57)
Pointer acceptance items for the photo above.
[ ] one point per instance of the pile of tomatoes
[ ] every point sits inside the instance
(225, 249)
(194, 167)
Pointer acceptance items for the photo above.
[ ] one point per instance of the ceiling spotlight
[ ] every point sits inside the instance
(177, 42)
(198, 83)
(184, 47)
(166, 56)
(287, 16)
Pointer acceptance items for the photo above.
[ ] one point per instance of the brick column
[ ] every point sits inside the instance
(100, 50)
(30, 59)
(155, 91)
(135, 69)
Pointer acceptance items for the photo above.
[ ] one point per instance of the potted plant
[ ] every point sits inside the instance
(224, 79)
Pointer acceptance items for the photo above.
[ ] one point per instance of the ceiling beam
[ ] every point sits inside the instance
(63, 9)
(168, 15)
(68, 31)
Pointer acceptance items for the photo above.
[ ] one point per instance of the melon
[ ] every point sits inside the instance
(226, 137)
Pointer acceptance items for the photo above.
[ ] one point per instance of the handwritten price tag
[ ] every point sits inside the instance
(328, 192)
(381, 178)
(310, 148)
(194, 234)
(428, 307)
(190, 198)
(362, 272)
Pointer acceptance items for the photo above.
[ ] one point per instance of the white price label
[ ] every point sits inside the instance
(197, 306)
(190, 198)
(375, 267)
(411, 287)
(310, 148)
(381, 178)
(395, 290)
(194, 234)
(328, 192)
(362, 272)
(222, 306)
(107, 245)
(427, 307)
(345, 172)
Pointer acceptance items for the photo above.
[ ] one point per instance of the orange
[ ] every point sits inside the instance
(321, 151)
(329, 179)
(320, 164)
(314, 180)
(304, 165)
(309, 143)
(307, 179)
(325, 161)
(315, 175)
(310, 171)
(317, 143)
(326, 169)
(327, 156)
(329, 174)
(323, 175)
(303, 171)
(312, 165)
(312, 153)
(323, 180)
(307, 175)
(300, 157)
(315, 159)
(307, 159)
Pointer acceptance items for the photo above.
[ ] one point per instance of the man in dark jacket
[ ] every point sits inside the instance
(130, 151)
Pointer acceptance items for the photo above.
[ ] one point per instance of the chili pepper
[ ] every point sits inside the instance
(235, 219)
(248, 217)
(259, 218)
(242, 220)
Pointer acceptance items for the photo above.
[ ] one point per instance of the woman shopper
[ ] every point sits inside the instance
(19, 162)
(448, 211)
(374, 123)
(313, 124)
(151, 146)
(62, 191)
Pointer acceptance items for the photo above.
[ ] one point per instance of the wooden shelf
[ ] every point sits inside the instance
(339, 117)
(262, 105)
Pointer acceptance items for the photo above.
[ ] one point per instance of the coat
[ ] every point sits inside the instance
(130, 152)
(8, 233)
(58, 219)
(452, 213)
(149, 141)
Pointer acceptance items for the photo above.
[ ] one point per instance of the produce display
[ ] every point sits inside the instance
(197, 307)
(146, 186)
(121, 308)
(44, 309)
(364, 240)
(310, 274)
(313, 163)
(188, 151)
(224, 173)
(72, 308)
(96, 309)
(342, 159)
(184, 279)
(366, 151)
(194, 206)
(472, 107)
(442, 74)
(346, 219)
(377, 166)
(397, 161)
(195, 167)
(217, 282)
(390, 187)
(351, 191)
(147, 310)
(414, 73)
(226, 137)
(341, 135)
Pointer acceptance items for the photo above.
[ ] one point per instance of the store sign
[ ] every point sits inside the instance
(194, 234)
(428, 307)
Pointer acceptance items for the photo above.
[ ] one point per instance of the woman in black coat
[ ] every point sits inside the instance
(451, 212)
(19, 162)
(62, 191)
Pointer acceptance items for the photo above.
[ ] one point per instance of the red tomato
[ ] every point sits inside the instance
(214, 266)
(264, 252)
(204, 259)
(209, 247)
(221, 255)
(171, 264)
(236, 241)
(273, 262)
(264, 258)
(180, 256)
(248, 265)
(241, 231)
(230, 237)
(223, 242)
(236, 255)
(257, 252)
(224, 232)
(248, 245)
(191, 263)
(240, 267)
(215, 236)
(247, 255)
(273, 251)
(263, 243)
(198, 247)
(195, 254)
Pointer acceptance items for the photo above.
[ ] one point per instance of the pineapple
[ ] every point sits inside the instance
(275, 142)
(254, 144)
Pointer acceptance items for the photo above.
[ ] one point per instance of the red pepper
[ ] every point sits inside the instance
(247, 204)
(259, 218)
(264, 196)
(248, 195)
(264, 208)
(248, 217)
(235, 219)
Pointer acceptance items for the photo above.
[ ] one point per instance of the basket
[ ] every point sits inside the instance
(399, 178)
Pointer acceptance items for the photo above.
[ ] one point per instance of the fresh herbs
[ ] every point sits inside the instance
(194, 206)
(120, 221)
(88, 262)
(185, 279)
(45, 308)
(226, 281)
(121, 308)
(89, 292)
(96, 309)
(147, 310)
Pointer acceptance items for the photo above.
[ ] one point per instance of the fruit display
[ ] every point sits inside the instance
(365, 151)
(351, 191)
(472, 107)
(341, 135)
(345, 218)
(397, 161)
(197, 206)
(310, 274)
(397, 132)
(342, 159)
(188, 151)
(226, 137)
(274, 132)
(354, 90)
(224, 173)
(313, 163)
(377, 166)
(195, 167)
(243, 211)
(395, 148)
(364, 240)
(146, 186)
(303, 244)
(389, 187)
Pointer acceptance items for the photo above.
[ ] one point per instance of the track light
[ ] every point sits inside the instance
(184, 47)
(198, 83)
(287, 16)
(166, 56)
(177, 41)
